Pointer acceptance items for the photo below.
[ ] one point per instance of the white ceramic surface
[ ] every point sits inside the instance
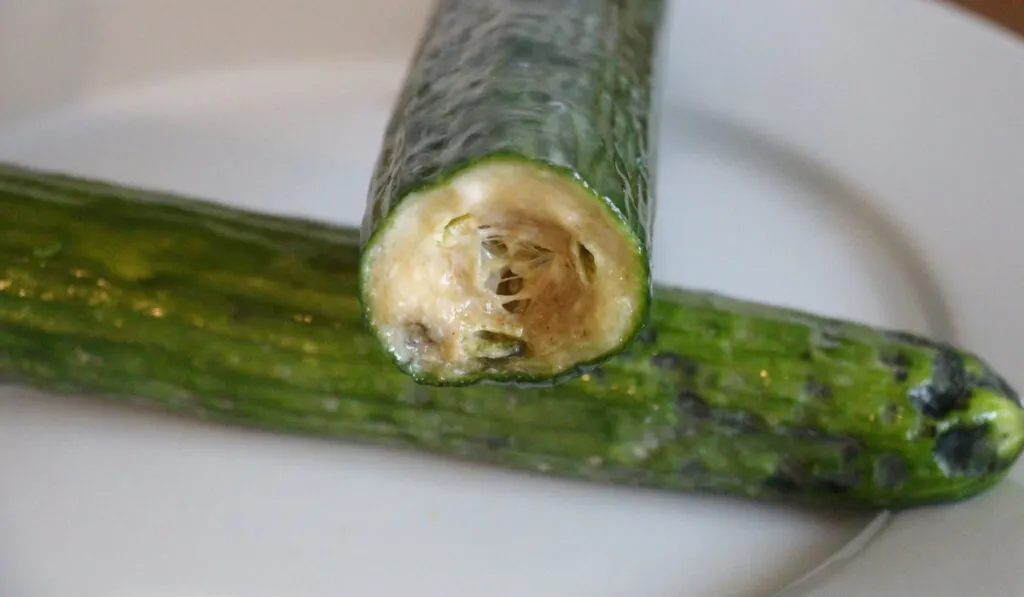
(861, 159)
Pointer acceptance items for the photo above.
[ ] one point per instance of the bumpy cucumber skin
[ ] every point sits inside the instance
(253, 320)
(568, 85)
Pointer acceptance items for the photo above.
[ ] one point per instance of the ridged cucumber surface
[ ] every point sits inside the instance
(509, 217)
(254, 320)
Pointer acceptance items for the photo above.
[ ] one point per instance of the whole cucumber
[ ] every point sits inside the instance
(254, 320)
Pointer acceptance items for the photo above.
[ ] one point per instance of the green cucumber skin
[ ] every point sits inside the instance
(254, 320)
(566, 84)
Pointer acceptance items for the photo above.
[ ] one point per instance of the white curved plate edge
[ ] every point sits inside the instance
(971, 548)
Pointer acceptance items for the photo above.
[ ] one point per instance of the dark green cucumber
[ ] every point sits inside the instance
(509, 217)
(254, 320)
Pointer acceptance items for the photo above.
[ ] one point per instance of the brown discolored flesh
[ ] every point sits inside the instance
(525, 127)
(254, 320)
(506, 251)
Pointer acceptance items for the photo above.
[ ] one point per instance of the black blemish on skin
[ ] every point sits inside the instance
(806, 355)
(817, 389)
(690, 405)
(900, 363)
(849, 451)
(948, 389)
(929, 430)
(964, 450)
(896, 359)
(890, 471)
(598, 374)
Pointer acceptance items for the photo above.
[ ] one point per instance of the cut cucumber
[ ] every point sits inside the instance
(508, 225)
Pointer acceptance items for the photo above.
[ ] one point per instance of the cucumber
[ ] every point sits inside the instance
(509, 216)
(254, 320)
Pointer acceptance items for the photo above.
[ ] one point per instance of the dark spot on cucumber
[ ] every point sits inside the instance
(806, 355)
(598, 374)
(929, 430)
(815, 388)
(947, 391)
(648, 335)
(890, 472)
(896, 359)
(849, 450)
(965, 450)
(900, 363)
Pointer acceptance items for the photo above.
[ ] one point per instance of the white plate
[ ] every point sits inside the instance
(861, 159)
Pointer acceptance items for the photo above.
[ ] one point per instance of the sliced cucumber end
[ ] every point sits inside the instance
(509, 270)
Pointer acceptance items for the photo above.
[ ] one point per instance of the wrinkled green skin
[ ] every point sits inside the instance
(253, 320)
(568, 85)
